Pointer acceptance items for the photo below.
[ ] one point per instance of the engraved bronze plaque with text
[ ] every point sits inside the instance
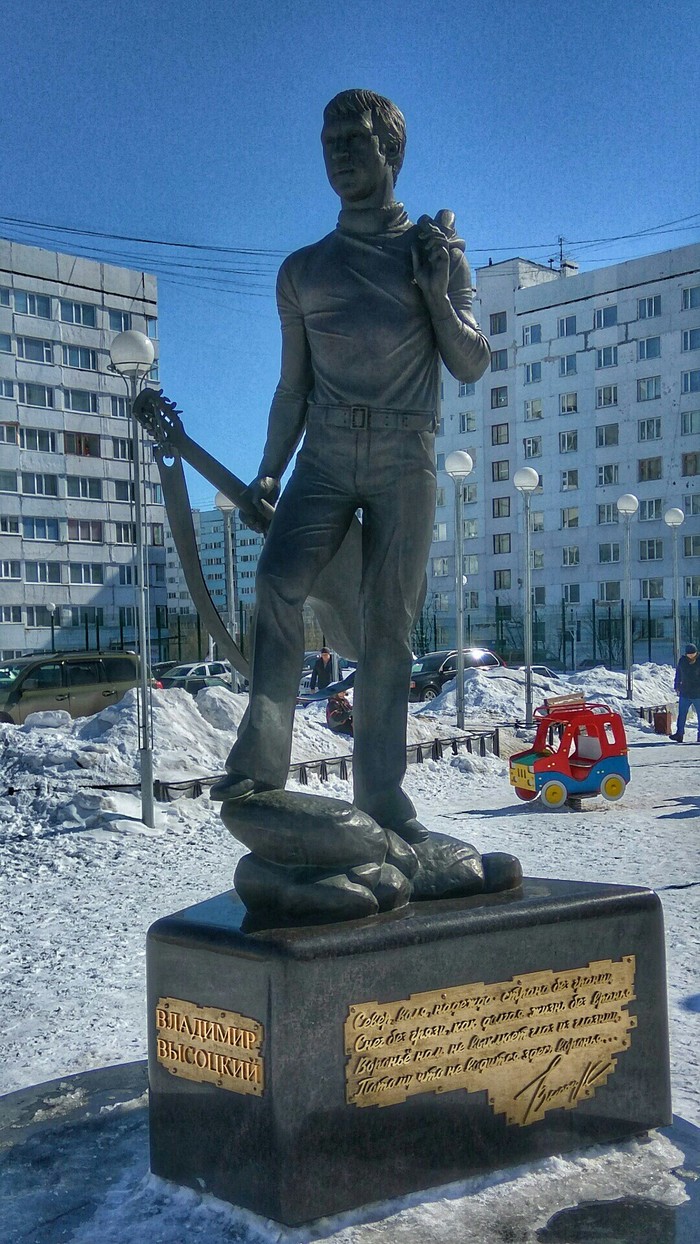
(534, 1043)
(211, 1046)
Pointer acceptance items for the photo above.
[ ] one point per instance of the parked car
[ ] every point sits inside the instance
(431, 672)
(543, 670)
(195, 675)
(81, 683)
(163, 667)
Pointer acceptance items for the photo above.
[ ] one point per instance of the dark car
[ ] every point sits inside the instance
(431, 672)
(163, 667)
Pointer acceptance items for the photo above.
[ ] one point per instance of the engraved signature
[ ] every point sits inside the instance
(544, 1094)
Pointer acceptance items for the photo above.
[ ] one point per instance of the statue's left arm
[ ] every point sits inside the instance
(442, 273)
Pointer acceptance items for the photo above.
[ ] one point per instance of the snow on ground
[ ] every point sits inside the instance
(83, 878)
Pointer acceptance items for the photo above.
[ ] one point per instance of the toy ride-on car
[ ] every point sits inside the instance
(590, 757)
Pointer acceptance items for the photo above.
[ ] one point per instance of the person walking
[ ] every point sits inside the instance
(322, 672)
(687, 686)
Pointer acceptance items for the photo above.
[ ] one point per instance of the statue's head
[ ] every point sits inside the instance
(373, 117)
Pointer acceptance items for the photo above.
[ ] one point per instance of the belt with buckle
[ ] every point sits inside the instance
(358, 417)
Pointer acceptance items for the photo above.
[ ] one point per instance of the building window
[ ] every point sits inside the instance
(5, 343)
(609, 591)
(690, 297)
(78, 615)
(125, 533)
(470, 528)
(439, 498)
(607, 434)
(501, 542)
(651, 589)
(608, 474)
(10, 613)
(501, 507)
(80, 357)
(568, 442)
(38, 439)
(152, 327)
(7, 388)
(465, 388)
(471, 600)
(533, 373)
(85, 531)
(4, 296)
(532, 446)
(8, 433)
(84, 487)
(536, 520)
(123, 490)
(604, 317)
(568, 403)
(119, 321)
(569, 480)
(649, 429)
(649, 389)
(123, 449)
(86, 572)
(8, 481)
(609, 552)
(500, 471)
(539, 596)
(499, 434)
(537, 559)
(649, 468)
(499, 397)
(440, 567)
(567, 365)
(439, 531)
(651, 550)
(649, 308)
(690, 464)
(119, 408)
(84, 444)
(40, 529)
(607, 513)
(649, 348)
(690, 339)
(533, 408)
(469, 493)
(9, 525)
(467, 421)
(569, 517)
(571, 593)
(691, 505)
(570, 555)
(690, 422)
(606, 395)
(78, 313)
(498, 323)
(532, 334)
(34, 350)
(690, 382)
(80, 400)
(650, 509)
(691, 546)
(10, 570)
(36, 484)
(499, 360)
(607, 357)
(38, 305)
(34, 395)
(501, 580)
(42, 572)
(471, 564)
(566, 326)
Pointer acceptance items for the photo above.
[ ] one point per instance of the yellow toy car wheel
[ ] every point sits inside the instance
(554, 794)
(612, 787)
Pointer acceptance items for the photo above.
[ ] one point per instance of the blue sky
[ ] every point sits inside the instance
(199, 123)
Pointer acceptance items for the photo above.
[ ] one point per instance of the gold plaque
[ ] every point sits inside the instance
(208, 1045)
(534, 1043)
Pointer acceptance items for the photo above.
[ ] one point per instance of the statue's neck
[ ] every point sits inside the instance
(374, 220)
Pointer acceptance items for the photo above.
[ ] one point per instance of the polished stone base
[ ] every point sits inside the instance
(252, 1045)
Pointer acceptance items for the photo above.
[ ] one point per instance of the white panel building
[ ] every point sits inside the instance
(594, 382)
(66, 462)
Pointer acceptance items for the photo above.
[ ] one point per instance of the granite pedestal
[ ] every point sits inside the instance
(300, 1072)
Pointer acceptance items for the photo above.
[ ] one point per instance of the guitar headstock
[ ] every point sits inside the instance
(160, 418)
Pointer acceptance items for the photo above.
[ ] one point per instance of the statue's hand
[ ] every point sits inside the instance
(431, 254)
(258, 503)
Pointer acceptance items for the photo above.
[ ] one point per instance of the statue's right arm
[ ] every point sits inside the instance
(288, 411)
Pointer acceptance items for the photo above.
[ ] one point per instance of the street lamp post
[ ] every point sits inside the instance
(132, 356)
(459, 465)
(52, 612)
(674, 519)
(222, 502)
(526, 480)
(628, 505)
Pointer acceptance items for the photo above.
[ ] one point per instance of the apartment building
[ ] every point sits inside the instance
(211, 545)
(595, 383)
(67, 531)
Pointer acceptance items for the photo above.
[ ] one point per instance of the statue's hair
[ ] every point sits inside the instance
(387, 121)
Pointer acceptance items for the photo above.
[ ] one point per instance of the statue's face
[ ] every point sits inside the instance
(356, 165)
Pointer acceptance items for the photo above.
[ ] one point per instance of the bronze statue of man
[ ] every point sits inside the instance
(367, 314)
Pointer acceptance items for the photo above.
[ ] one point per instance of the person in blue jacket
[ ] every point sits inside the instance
(687, 686)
